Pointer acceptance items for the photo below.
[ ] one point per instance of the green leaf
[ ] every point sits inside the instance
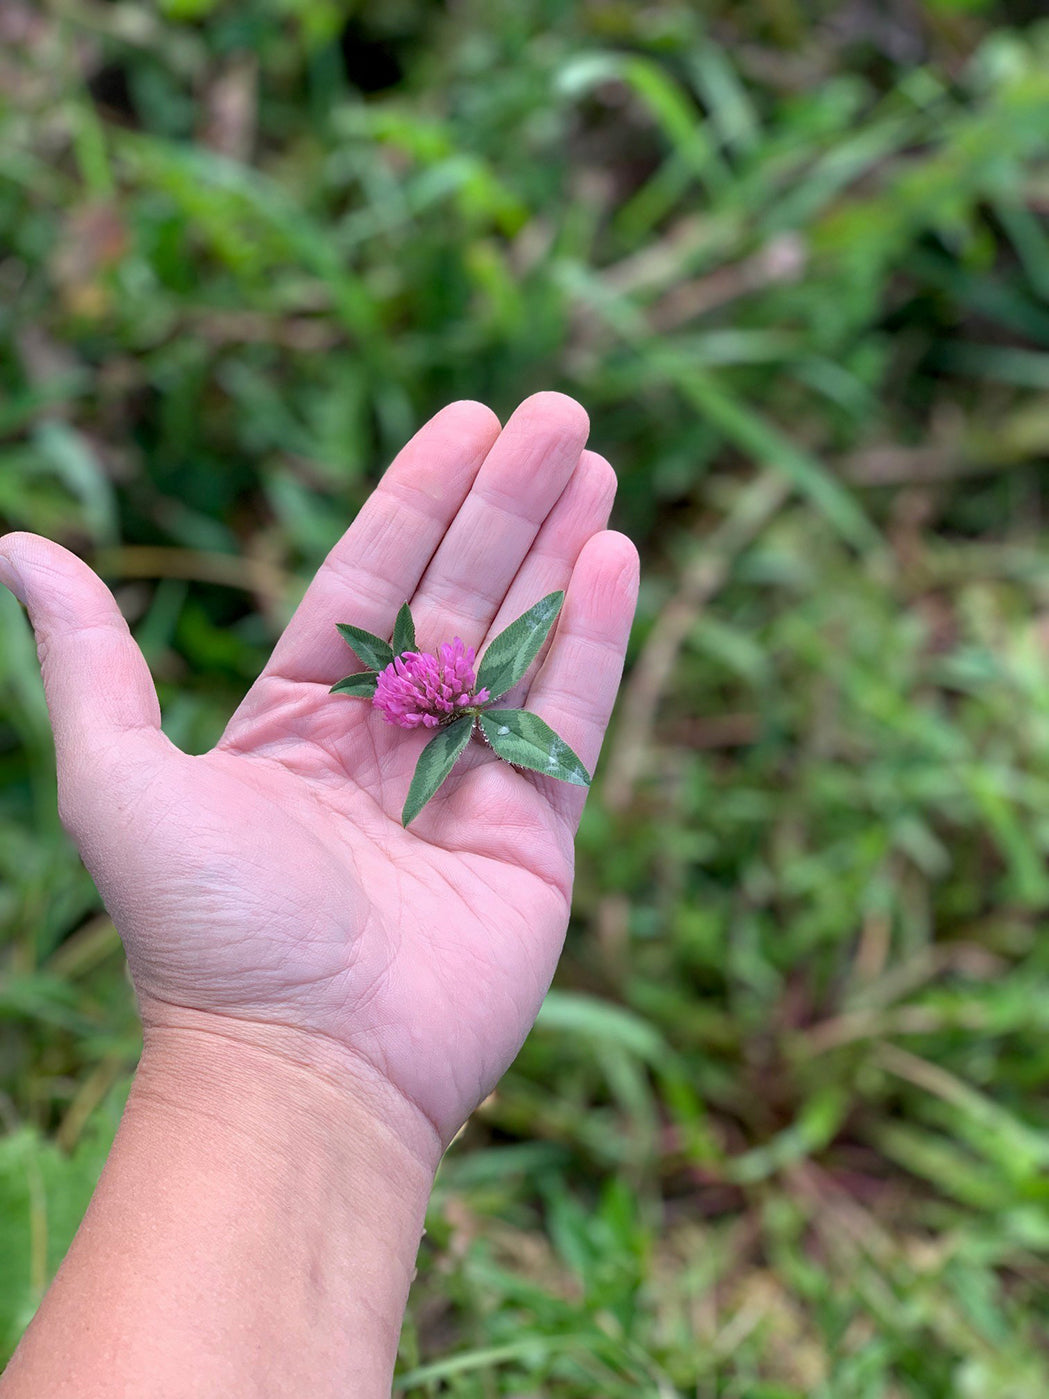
(514, 650)
(403, 631)
(525, 740)
(363, 684)
(372, 650)
(435, 763)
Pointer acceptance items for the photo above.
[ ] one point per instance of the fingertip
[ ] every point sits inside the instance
(20, 543)
(95, 678)
(551, 406)
(438, 465)
(470, 414)
(56, 585)
(10, 576)
(606, 578)
(10, 542)
(621, 547)
(601, 479)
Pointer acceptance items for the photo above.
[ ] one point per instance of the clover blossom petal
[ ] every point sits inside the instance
(419, 688)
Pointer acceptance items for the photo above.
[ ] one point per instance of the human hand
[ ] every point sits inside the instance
(266, 891)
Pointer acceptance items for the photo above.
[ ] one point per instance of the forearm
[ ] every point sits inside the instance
(254, 1233)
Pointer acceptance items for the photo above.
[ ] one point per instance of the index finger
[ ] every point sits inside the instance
(378, 562)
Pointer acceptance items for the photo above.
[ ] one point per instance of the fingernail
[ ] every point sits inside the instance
(11, 578)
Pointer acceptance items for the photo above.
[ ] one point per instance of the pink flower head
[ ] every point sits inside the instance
(420, 688)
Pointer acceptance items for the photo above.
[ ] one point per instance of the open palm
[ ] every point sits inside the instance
(270, 882)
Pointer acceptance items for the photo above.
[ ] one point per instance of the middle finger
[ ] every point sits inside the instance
(520, 482)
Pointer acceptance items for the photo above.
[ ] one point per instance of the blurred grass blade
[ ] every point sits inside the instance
(678, 118)
(591, 1020)
(740, 423)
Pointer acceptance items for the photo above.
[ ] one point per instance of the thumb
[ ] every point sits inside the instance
(96, 680)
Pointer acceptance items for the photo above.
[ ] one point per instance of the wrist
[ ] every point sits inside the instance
(254, 1231)
(271, 1083)
(307, 1137)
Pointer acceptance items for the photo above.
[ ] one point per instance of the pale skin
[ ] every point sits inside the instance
(325, 995)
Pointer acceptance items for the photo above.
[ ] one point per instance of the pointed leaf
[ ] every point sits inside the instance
(363, 684)
(403, 631)
(525, 740)
(435, 763)
(514, 650)
(372, 650)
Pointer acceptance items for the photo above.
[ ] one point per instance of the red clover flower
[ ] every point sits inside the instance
(441, 691)
(418, 687)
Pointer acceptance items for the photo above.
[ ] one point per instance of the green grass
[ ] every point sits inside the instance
(783, 1127)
